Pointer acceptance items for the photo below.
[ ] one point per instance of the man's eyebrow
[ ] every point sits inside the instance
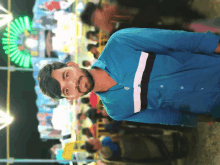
(63, 74)
(63, 79)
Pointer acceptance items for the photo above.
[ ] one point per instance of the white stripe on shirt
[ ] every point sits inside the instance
(137, 81)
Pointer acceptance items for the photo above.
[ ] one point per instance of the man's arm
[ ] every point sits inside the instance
(159, 40)
(167, 116)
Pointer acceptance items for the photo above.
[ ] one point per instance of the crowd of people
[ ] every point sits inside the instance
(147, 112)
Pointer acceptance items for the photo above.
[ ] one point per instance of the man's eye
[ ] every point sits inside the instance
(67, 75)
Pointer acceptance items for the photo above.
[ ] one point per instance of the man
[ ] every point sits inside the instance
(147, 75)
(137, 147)
(92, 114)
(90, 132)
(94, 36)
(150, 15)
(94, 49)
(47, 22)
(86, 63)
(55, 6)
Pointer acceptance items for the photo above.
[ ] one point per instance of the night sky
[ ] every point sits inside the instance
(24, 136)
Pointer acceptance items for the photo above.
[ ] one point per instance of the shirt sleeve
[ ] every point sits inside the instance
(160, 40)
(167, 116)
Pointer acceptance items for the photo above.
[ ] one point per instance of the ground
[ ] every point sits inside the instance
(204, 143)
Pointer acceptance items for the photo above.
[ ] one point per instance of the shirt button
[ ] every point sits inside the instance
(127, 88)
(202, 88)
(182, 87)
(161, 86)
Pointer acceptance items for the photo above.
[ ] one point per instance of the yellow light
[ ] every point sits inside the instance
(5, 119)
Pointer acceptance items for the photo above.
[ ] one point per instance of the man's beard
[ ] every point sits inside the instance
(90, 79)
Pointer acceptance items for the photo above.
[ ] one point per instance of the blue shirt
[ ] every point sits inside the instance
(184, 81)
(107, 142)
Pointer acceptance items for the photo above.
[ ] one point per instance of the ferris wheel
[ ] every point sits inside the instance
(18, 41)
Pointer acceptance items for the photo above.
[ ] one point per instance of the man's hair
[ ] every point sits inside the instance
(89, 147)
(90, 46)
(48, 85)
(100, 102)
(84, 63)
(90, 32)
(85, 131)
(87, 13)
(79, 115)
(85, 100)
(94, 55)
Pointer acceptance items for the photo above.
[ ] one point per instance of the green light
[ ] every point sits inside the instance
(19, 57)
(22, 60)
(6, 39)
(7, 47)
(12, 37)
(26, 61)
(5, 34)
(27, 23)
(29, 61)
(6, 42)
(22, 23)
(13, 49)
(14, 26)
(14, 29)
(15, 56)
(10, 41)
(12, 32)
(15, 52)
(19, 25)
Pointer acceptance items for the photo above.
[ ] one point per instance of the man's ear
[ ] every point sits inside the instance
(72, 64)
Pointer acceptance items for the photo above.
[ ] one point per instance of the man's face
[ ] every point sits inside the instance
(74, 82)
(93, 38)
(95, 142)
(94, 51)
(82, 117)
(87, 63)
(103, 18)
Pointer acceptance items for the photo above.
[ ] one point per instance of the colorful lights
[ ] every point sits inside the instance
(12, 44)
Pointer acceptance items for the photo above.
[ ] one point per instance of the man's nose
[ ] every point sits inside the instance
(73, 83)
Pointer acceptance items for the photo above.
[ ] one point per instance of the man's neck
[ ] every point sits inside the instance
(102, 80)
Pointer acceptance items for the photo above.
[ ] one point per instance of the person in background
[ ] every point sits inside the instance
(81, 117)
(55, 5)
(108, 19)
(92, 114)
(94, 50)
(94, 36)
(86, 63)
(47, 21)
(90, 132)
